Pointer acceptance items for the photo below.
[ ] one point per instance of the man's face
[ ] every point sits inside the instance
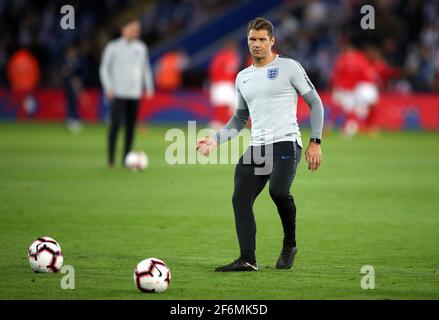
(132, 30)
(259, 43)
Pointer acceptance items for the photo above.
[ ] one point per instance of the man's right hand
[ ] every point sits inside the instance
(205, 145)
(110, 94)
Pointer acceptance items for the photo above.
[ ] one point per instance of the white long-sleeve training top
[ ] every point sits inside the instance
(269, 96)
(125, 69)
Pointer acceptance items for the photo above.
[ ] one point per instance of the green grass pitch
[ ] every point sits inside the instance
(373, 202)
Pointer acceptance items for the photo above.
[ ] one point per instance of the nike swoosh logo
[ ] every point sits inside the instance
(252, 266)
(285, 157)
(157, 269)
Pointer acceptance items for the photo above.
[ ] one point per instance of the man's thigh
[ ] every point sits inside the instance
(286, 158)
(246, 178)
(116, 109)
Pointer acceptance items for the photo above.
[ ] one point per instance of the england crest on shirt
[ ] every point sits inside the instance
(272, 73)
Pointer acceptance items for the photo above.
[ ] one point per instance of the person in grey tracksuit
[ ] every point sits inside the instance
(126, 75)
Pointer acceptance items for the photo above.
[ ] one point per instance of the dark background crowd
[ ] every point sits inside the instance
(405, 38)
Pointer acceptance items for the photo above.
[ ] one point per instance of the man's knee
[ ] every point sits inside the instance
(242, 197)
(237, 198)
(279, 193)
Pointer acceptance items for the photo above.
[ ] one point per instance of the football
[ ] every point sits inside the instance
(152, 275)
(45, 255)
(136, 160)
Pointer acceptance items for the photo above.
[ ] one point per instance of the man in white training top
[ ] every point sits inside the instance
(267, 92)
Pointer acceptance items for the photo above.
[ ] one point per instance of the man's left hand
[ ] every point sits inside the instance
(148, 94)
(313, 156)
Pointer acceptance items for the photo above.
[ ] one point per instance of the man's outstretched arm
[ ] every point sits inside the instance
(231, 129)
(238, 122)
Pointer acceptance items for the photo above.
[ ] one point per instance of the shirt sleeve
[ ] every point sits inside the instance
(240, 101)
(105, 67)
(299, 79)
(149, 82)
(317, 113)
(237, 122)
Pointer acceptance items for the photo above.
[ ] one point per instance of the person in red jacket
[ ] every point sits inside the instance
(384, 73)
(354, 87)
(169, 70)
(223, 69)
(23, 71)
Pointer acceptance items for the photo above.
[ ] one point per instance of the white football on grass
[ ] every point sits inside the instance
(152, 275)
(45, 255)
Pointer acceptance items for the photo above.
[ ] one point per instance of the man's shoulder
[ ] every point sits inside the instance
(293, 65)
(113, 43)
(245, 71)
(140, 43)
(121, 42)
(242, 73)
(288, 61)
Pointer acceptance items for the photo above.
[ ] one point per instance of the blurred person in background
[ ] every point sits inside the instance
(354, 87)
(421, 69)
(384, 73)
(23, 71)
(223, 69)
(73, 73)
(383, 70)
(169, 69)
(125, 73)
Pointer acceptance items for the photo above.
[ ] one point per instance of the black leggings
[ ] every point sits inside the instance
(285, 157)
(122, 110)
